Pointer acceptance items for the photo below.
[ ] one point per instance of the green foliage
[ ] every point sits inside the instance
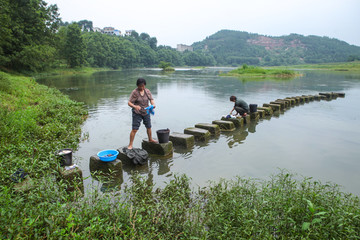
(164, 65)
(236, 48)
(246, 70)
(27, 29)
(282, 207)
(74, 47)
(35, 121)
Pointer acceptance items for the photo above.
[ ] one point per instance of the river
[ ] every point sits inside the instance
(319, 139)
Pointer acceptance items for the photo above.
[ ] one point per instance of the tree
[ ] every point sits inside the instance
(27, 28)
(74, 46)
(86, 26)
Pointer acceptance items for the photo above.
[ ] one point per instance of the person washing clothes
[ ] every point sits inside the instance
(240, 106)
(139, 102)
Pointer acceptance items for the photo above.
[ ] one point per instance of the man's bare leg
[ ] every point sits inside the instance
(132, 137)
(148, 130)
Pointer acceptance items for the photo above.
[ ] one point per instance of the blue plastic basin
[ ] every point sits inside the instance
(108, 155)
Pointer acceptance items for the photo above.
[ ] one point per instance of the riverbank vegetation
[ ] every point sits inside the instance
(34, 39)
(256, 72)
(353, 66)
(35, 121)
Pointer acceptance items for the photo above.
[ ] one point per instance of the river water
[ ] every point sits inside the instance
(319, 139)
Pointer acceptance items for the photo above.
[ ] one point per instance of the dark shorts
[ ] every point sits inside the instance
(241, 110)
(137, 118)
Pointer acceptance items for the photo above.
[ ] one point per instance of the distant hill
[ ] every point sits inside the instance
(236, 47)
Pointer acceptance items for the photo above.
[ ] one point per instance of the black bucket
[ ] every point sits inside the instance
(65, 156)
(163, 135)
(253, 108)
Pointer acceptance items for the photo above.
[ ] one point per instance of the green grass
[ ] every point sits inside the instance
(36, 120)
(346, 66)
(253, 71)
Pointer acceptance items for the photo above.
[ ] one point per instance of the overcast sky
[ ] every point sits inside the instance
(173, 22)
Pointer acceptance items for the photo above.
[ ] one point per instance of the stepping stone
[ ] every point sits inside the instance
(160, 149)
(183, 140)
(268, 110)
(224, 125)
(73, 179)
(214, 129)
(199, 133)
(274, 107)
(311, 97)
(335, 95)
(281, 103)
(297, 99)
(292, 101)
(287, 102)
(105, 167)
(317, 97)
(238, 122)
(261, 113)
(301, 100)
(305, 99)
(247, 119)
(254, 116)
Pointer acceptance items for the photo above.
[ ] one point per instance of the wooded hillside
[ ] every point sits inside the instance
(235, 47)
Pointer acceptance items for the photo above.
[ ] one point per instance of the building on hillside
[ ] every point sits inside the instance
(117, 32)
(128, 32)
(96, 29)
(183, 47)
(108, 30)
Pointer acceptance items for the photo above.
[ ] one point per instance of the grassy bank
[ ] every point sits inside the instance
(256, 72)
(346, 66)
(36, 120)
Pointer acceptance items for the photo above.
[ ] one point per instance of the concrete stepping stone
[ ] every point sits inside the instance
(261, 113)
(182, 140)
(292, 101)
(268, 110)
(160, 149)
(254, 116)
(224, 125)
(287, 103)
(198, 133)
(238, 122)
(105, 167)
(281, 103)
(274, 106)
(214, 129)
(73, 179)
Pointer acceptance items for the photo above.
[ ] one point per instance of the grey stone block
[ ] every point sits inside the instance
(199, 133)
(160, 149)
(268, 110)
(73, 179)
(105, 167)
(238, 122)
(181, 139)
(224, 125)
(214, 129)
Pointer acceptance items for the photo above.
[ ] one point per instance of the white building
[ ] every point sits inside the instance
(183, 47)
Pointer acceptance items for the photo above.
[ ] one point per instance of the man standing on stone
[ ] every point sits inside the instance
(138, 101)
(240, 106)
